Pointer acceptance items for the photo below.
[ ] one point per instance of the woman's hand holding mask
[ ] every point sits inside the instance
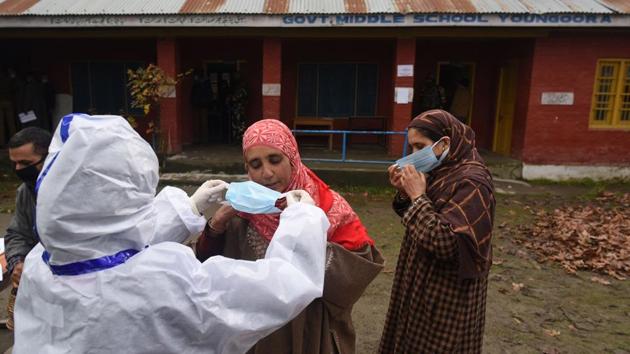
(221, 217)
(395, 174)
(413, 182)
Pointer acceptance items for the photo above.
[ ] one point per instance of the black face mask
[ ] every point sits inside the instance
(29, 174)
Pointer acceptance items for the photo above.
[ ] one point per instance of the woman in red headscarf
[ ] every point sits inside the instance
(325, 326)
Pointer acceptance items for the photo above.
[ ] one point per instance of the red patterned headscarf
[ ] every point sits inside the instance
(345, 227)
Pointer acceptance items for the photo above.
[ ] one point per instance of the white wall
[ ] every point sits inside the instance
(567, 172)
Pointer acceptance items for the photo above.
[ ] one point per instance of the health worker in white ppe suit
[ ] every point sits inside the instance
(105, 279)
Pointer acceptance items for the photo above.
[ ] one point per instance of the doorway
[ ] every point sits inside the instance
(506, 100)
(219, 75)
(457, 80)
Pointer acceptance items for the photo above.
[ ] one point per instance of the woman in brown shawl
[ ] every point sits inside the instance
(438, 299)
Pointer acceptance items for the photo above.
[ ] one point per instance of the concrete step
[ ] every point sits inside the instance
(195, 171)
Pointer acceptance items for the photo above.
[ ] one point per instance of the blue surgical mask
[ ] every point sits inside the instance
(424, 160)
(253, 198)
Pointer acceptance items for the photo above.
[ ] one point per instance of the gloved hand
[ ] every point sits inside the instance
(298, 196)
(210, 193)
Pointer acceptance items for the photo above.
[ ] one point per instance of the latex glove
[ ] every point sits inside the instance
(298, 196)
(209, 194)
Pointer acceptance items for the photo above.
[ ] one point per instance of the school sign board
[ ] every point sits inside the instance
(294, 21)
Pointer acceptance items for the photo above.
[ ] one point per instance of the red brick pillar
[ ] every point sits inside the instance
(403, 86)
(170, 114)
(272, 77)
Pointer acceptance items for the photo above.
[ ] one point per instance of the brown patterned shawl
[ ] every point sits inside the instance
(461, 190)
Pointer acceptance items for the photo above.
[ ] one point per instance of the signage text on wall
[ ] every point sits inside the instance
(354, 20)
(557, 98)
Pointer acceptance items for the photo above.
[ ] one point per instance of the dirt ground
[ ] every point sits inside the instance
(553, 312)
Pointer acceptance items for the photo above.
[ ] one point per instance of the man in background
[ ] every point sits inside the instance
(28, 149)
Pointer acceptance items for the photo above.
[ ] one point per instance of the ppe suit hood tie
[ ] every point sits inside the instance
(91, 265)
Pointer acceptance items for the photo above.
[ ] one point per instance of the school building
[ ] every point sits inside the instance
(546, 82)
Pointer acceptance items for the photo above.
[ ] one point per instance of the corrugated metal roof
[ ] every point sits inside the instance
(562, 6)
(201, 6)
(620, 6)
(223, 7)
(11, 7)
(101, 7)
(276, 6)
(139, 7)
(319, 6)
(380, 6)
(242, 6)
(355, 6)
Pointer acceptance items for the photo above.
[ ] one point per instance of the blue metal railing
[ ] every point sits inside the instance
(344, 143)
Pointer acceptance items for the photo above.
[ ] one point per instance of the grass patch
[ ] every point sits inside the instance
(376, 191)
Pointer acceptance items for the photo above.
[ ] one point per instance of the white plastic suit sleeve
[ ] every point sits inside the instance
(175, 219)
(162, 300)
(253, 299)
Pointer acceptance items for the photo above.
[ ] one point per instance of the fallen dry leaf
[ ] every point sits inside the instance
(552, 332)
(521, 253)
(600, 280)
(591, 237)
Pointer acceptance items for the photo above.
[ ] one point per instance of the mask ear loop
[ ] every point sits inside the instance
(444, 154)
(447, 147)
(444, 150)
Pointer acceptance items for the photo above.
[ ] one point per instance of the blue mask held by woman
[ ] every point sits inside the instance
(253, 198)
(424, 160)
